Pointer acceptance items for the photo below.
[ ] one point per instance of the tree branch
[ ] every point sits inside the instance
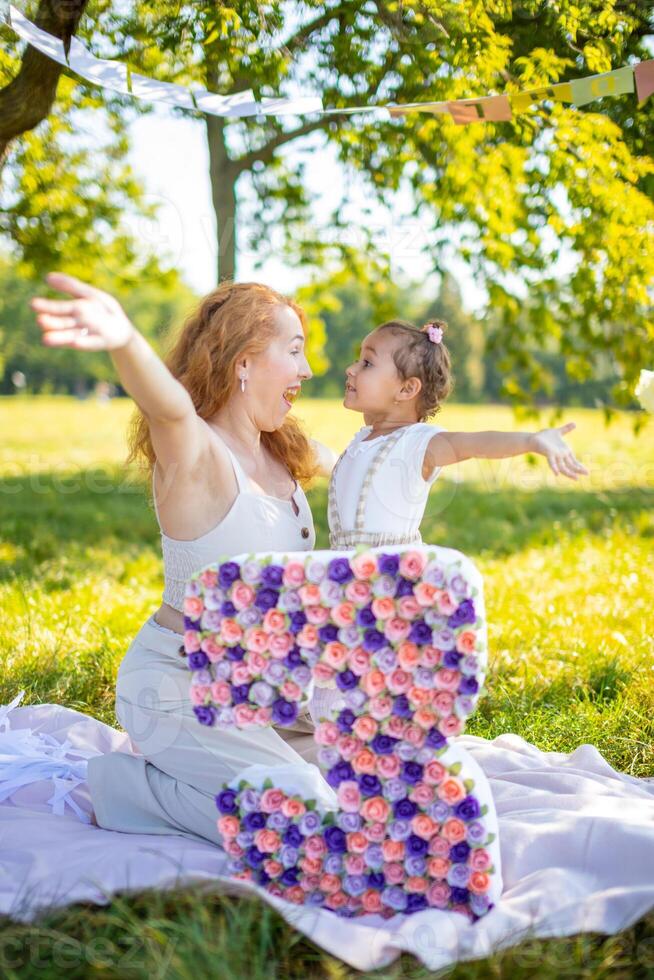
(265, 153)
(28, 98)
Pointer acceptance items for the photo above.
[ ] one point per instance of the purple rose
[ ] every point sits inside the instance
(309, 822)
(254, 857)
(333, 863)
(369, 784)
(262, 694)
(341, 771)
(373, 640)
(394, 789)
(298, 619)
(204, 713)
(284, 712)
(254, 821)
(328, 633)
(415, 865)
(288, 855)
(376, 880)
(328, 756)
(479, 904)
(406, 751)
(458, 876)
(355, 698)
(439, 811)
(349, 636)
(266, 599)
(189, 623)
(290, 876)
(435, 739)
(459, 852)
(244, 838)
(202, 676)
(475, 833)
(240, 693)
(468, 685)
(458, 585)
(226, 801)
(464, 614)
(445, 639)
(420, 633)
(374, 856)
(386, 659)
(388, 564)
(354, 884)
(401, 706)
(197, 660)
(399, 829)
(451, 659)
(301, 675)
(292, 836)
(249, 799)
(416, 846)
(403, 587)
(228, 573)
(293, 658)
(237, 652)
(469, 664)
(346, 680)
(383, 744)
(290, 601)
(411, 772)
(335, 840)
(339, 570)
(272, 575)
(459, 896)
(349, 822)
(416, 903)
(365, 616)
(277, 820)
(405, 809)
(345, 720)
(228, 609)
(274, 672)
(395, 897)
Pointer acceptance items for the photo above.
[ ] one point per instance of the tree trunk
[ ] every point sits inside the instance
(223, 174)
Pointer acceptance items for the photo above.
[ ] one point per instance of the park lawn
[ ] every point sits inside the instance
(569, 584)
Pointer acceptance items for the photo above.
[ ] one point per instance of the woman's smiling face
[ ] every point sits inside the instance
(372, 380)
(274, 376)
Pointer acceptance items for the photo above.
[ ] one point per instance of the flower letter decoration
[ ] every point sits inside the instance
(401, 634)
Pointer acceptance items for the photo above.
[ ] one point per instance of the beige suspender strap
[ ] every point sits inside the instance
(377, 461)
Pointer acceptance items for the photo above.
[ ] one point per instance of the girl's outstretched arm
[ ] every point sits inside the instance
(446, 448)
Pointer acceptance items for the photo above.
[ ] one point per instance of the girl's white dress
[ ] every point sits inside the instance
(577, 837)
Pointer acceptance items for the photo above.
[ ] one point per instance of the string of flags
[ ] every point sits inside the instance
(119, 77)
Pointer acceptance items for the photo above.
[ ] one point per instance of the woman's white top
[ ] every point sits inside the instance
(254, 522)
(378, 494)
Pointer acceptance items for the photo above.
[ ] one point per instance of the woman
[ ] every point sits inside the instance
(227, 462)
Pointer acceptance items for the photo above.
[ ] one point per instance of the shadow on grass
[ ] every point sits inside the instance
(44, 515)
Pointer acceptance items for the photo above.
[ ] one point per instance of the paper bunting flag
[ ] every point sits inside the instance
(644, 73)
(494, 108)
(44, 42)
(618, 82)
(521, 101)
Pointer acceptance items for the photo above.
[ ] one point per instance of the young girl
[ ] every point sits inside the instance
(379, 485)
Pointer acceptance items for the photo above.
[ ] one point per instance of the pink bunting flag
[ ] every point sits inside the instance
(494, 108)
(644, 73)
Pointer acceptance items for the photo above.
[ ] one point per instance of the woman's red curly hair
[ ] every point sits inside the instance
(231, 322)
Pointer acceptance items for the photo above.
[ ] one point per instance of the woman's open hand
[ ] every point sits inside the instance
(92, 321)
(550, 443)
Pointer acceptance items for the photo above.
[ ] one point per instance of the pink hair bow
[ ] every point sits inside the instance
(435, 333)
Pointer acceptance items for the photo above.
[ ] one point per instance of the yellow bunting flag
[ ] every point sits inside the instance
(618, 82)
(521, 101)
(644, 73)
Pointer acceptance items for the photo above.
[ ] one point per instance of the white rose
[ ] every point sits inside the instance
(645, 390)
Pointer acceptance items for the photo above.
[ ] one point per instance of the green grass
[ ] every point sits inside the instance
(569, 580)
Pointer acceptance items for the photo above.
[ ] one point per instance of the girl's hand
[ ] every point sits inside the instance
(92, 321)
(550, 443)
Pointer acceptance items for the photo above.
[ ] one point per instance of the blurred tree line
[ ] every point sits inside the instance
(341, 309)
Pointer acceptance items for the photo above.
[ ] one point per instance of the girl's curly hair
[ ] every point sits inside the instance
(419, 357)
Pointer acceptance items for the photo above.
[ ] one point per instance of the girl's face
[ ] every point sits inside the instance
(372, 381)
(275, 375)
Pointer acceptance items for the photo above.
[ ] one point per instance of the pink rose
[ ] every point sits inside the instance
(191, 641)
(221, 692)
(274, 621)
(434, 773)
(209, 578)
(466, 642)
(343, 614)
(199, 693)
(380, 707)
(424, 593)
(293, 574)
(329, 884)
(438, 847)
(255, 639)
(358, 661)
(242, 595)
(443, 702)
(480, 859)
(255, 661)
(349, 796)
(192, 606)
(408, 655)
(375, 808)
(326, 733)
(392, 850)
(243, 715)
(373, 682)
(272, 799)
(233, 849)
(364, 566)
(358, 592)
(399, 681)
(396, 629)
(430, 656)
(212, 649)
(279, 644)
(228, 825)
(393, 873)
(337, 900)
(383, 608)
(291, 691)
(356, 842)
(292, 806)
(375, 832)
(295, 894)
(438, 867)
(309, 594)
(438, 895)
(230, 631)
(312, 868)
(241, 673)
(347, 746)
(371, 901)
(447, 679)
(317, 615)
(365, 728)
(388, 766)
(395, 726)
(322, 673)
(272, 867)
(454, 830)
(262, 717)
(425, 718)
(412, 564)
(416, 884)
(365, 761)
(479, 882)
(315, 846)
(452, 725)
(422, 794)
(267, 840)
(451, 790)
(445, 603)
(408, 607)
(414, 735)
(335, 654)
(308, 636)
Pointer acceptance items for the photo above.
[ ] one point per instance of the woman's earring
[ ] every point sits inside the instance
(242, 384)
